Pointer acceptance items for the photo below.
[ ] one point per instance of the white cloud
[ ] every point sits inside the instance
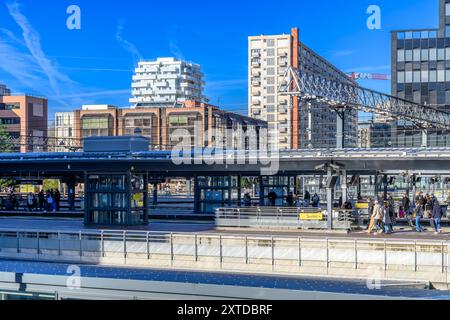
(33, 43)
(128, 46)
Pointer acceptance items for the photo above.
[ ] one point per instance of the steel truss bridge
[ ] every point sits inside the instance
(340, 96)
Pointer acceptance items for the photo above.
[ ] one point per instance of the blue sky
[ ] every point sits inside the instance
(39, 55)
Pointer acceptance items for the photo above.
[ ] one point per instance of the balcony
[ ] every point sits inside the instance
(256, 64)
(283, 103)
(256, 102)
(256, 54)
(256, 83)
(256, 112)
(283, 111)
(256, 73)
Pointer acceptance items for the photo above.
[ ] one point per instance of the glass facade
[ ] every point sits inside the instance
(97, 126)
(144, 122)
(421, 73)
(116, 199)
(214, 192)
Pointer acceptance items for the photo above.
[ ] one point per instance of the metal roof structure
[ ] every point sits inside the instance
(216, 162)
(336, 95)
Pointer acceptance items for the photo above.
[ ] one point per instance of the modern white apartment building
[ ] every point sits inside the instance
(293, 123)
(166, 81)
(4, 91)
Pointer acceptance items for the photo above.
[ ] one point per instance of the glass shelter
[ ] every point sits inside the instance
(116, 199)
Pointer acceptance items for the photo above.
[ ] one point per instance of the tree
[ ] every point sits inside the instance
(5, 147)
(5, 140)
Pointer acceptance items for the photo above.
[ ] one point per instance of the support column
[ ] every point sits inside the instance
(344, 185)
(196, 195)
(376, 186)
(239, 190)
(424, 138)
(340, 126)
(188, 187)
(261, 192)
(71, 184)
(385, 186)
(330, 199)
(155, 194)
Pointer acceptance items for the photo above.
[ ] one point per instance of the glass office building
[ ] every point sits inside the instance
(421, 73)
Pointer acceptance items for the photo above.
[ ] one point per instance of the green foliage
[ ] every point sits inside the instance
(5, 142)
(6, 183)
(50, 185)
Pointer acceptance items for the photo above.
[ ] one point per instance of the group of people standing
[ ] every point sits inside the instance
(428, 207)
(382, 213)
(45, 202)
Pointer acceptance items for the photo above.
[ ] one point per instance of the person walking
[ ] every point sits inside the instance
(419, 215)
(378, 216)
(437, 215)
(429, 210)
(387, 218)
(372, 222)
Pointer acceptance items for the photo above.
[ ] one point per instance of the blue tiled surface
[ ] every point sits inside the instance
(255, 281)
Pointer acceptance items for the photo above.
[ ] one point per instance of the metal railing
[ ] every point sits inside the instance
(282, 217)
(224, 252)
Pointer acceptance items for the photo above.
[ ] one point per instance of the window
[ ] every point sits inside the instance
(408, 55)
(424, 54)
(59, 121)
(424, 76)
(400, 77)
(9, 106)
(441, 54)
(270, 42)
(447, 9)
(270, 52)
(271, 61)
(408, 77)
(416, 55)
(441, 76)
(433, 54)
(270, 71)
(401, 55)
(9, 121)
(416, 76)
(270, 99)
(270, 90)
(433, 76)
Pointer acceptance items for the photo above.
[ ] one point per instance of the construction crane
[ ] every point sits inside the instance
(368, 76)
